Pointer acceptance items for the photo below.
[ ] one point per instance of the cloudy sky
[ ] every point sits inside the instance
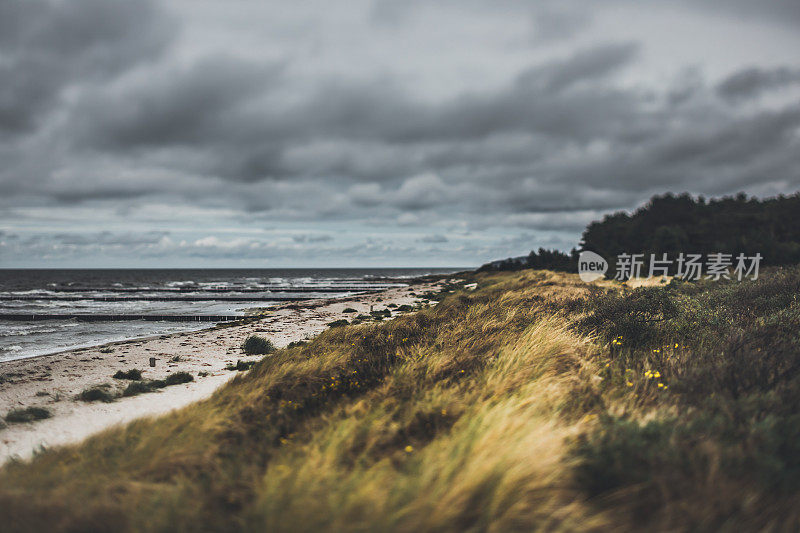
(192, 133)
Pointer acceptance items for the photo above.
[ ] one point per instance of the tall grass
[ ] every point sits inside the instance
(532, 402)
(453, 417)
(705, 380)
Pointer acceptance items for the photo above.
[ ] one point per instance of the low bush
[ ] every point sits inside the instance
(255, 345)
(296, 344)
(338, 323)
(132, 374)
(99, 393)
(27, 414)
(138, 387)
(178, 377)
(240, 365)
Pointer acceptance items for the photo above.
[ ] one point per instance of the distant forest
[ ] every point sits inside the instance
(680, 223)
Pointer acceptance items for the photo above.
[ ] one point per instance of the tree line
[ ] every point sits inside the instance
(675, 224)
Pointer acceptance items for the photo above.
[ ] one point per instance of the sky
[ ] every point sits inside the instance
(252, 133)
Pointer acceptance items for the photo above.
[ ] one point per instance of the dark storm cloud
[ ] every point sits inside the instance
(190, 106)
(438, 118)
(534, 102)
(48, 45)
(215, 106)
(753, 81)
(593, 64)
(786, 11)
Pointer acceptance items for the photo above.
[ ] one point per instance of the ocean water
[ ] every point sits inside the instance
(90, 307)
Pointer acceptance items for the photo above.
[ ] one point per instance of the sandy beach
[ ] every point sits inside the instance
(54, 381)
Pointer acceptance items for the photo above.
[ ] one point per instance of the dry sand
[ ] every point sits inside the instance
(53, 381)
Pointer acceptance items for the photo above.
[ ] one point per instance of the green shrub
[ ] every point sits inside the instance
(27, 414)
(380, 315)
(132, 374)
(338, 323)
(99, 393)
(240, 365)
(623, 453)
(178, 378)
(138, 387)
(349, 310)
(405, 308)
(255, 345)
(296, 344)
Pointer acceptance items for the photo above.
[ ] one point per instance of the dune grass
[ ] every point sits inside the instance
(255, 345)
(532, 402)
(27, 414)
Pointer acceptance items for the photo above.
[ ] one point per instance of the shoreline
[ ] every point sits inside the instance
(52, 381)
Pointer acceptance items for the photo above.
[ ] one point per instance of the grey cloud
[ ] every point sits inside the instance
(203, 109)
(553, 23)
(48, 45)
(785, 11)
(753, 81)
(311, 238)
(189, 106)
(107, 238)
(538, 135)
(433, 239)
(592, 64)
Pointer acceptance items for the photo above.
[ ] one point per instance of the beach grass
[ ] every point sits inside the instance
(27, 414)
(98, 393)
(132, 374)
(255, 345)
(532, 402)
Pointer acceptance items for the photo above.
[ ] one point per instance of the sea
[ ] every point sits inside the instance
(48, 311)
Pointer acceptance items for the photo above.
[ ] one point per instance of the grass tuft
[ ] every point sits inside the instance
(98, 393)
(132, 374)
(240, 365)
(255, 345)
(27, 414)
(177, 378)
